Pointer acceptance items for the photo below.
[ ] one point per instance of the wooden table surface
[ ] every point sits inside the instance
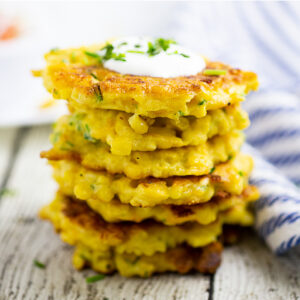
(248, 271)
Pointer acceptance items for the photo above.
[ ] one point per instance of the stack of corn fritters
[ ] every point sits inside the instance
(149, 169)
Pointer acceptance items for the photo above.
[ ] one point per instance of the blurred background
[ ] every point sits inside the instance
(259, 36)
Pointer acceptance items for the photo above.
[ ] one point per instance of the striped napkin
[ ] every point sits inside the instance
(263, 37)
(275, 131)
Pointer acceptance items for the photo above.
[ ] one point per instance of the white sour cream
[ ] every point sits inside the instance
(175, 61)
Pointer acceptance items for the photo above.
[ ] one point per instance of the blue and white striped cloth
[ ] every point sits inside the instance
(264, 37)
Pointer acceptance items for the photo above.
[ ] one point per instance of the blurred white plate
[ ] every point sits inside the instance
(21, 95)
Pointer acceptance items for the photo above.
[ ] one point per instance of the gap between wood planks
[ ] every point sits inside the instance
(21, 133)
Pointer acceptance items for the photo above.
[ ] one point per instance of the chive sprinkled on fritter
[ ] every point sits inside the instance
(98, 93)
(202, 102)
(94, 76)
(212, 170)
(214, 72)
(135, 51)
(93, 55)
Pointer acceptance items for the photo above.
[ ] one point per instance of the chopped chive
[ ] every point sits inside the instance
(137, 46)
(211, 170)
(120, 57)
(98, 93)
(152, 50)
(164, 44)
(136, 51)
(202, 102)
(94, 76)
(73, 57)
(241, 173)
(94, 278)
(214, 72)
(92, 186)
(55, 137)
(54, 50)
(230, 157)
(39, 264)
(184, 55)
(180, 113)
(93, 55)
(70, 144)
(175, 52)
(122, 44)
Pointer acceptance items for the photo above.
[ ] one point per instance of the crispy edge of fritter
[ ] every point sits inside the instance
(181, 259)
(144, 95)
(172, 215)
(134, 167)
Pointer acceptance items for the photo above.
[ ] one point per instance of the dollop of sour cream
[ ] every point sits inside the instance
(153, 57)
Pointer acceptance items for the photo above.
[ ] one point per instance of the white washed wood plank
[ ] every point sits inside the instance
(23, 238)
(250, 271)
(7, 137)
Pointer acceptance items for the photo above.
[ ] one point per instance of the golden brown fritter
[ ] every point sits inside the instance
(79, 225)
(115, 211)
(98, 186)
(125, 132)
(181, 259)
(192, 160)
(72, 75)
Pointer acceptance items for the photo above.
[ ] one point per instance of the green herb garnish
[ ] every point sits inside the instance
(202, 102)
(93, 55)
(137, 46)
(87, 134)
(180, 113)
(94, 76)
(164, 44)
(159, 45)
(98, 93)
(136, 51)
(39, 264)
(70, 144)
(185, 55)
(55, 137)
(241, 173)
(73, 57)
(76, 120)
(214, 72)
(94, 278)
(211, 170)
(122, 44)
(54, 50)
(152, 50)
(109, 54)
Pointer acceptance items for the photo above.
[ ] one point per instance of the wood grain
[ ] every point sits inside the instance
(7, 137)
(249, 270)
